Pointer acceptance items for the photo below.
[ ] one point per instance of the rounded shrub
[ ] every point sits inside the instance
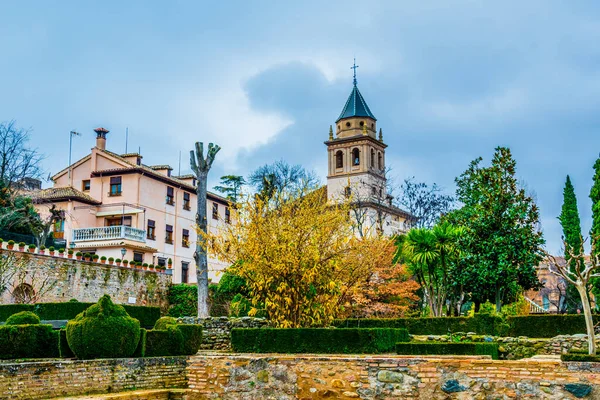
(23, 318)
(104, 330)
(163, 322)
(31, 246)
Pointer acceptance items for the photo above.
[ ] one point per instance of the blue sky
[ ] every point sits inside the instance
(447, 80)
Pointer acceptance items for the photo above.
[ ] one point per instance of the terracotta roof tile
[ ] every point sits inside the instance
(61, 193)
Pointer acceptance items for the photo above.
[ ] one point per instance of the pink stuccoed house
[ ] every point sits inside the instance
(113, 204)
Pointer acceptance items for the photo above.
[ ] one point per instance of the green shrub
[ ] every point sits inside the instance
(11, 242)
(239, 306)
(63, 345)
(167, 342)
(111, 259)
(547, 326)
(60, 311)
(140, 351)
(579, 357)
(103, 258)
(51, 248)
(23, 318)
(146, 315)
(104, 330)
(32, 246)
(70, 252)
(448, 348)
(183, 300)
(317, 340)
(42, 247)
(118, 260)
(22, 244)
(192, 338)
(163, 322)
(484, 324)
(6, 310)
(28, 341)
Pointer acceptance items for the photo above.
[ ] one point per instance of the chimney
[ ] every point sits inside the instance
(101, 137)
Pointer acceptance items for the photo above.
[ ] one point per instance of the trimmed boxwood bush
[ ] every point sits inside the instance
(104, 330)
(28, 341)
(192, 338)
(23, 318)
(163, 322)
(65, 350)
(442, 348)
(167, 342)
(547, 326)
(60, 311)
(146, 315)
(582, 357)
(317, 340)
(6, 310)
(140, 351)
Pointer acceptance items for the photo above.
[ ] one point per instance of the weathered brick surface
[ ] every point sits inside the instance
(88, 281)
(379, 377)
(48, 379)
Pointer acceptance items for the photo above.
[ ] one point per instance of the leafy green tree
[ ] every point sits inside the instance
(573, 241)
(595, 196)
(231, 186)
(502, 243)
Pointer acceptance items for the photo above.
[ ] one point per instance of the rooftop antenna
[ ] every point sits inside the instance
(126, 138)
(140, 150)
(354, 68)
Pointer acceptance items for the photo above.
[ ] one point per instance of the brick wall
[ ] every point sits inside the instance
(49, 379)
(370, 377)
(85, 281)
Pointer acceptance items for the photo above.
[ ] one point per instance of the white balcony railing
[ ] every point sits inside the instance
(108, 233)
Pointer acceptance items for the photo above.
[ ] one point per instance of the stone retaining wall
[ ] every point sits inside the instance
(48, 379)
(243, 376)
(86, 281)
(514, 348)
(216, 331)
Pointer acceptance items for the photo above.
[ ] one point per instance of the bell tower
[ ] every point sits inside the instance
(356, 154)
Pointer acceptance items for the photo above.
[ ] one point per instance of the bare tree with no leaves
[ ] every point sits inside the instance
(17, 160)
(579, 275)
(201, 166)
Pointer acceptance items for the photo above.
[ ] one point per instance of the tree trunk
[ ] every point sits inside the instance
(589, 323)
(498, 300)
(201, 256)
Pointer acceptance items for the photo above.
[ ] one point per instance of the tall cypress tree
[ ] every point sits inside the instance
(569, 220)
(595, 196)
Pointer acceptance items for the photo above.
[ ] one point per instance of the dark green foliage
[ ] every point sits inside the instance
(146, 315)
(65, 350)
(104, 330)
(23, 318)
(163, 322)
(58, 311)
(317, 340)
(160, 343)
(192, 338)
(595, 197)
(579, 357)
(6, 310)
(140, 350)
(547, 326)
(183, 300)
(448, 348)
(502, 244)
(240, 306)
(484, 324)
(28, 341)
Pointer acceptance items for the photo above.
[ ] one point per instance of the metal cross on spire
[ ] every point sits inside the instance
(354, 68)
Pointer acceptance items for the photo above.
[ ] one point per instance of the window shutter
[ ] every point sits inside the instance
(169, 191)
(186, 232)
(169, 228)
(186, 196)
(150, 223)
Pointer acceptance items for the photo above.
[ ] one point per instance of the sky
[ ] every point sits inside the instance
(447, 80)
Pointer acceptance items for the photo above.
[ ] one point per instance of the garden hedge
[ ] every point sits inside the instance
(140, 351)
(65, 350)
(484, 324)
(161, 343)
(579, 357)
(317, 340)
(69, 310)
(23, 318)
(28, 341)
(547, 326)
(443, 348)
(104, 330)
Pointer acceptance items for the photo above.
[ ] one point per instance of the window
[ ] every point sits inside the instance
(339, 159)
(138, 257)
(362, 123)
(185, 238)
(162, 262)
(372, 158)
(151, 234)
(115, 186)
(215, 211)
(546, 302)
(347, 191)
(124, 220)
(170, 195)
(348, 124)
(169, 234)
(355, 157)
(185, 267)
(227, 215)
(85, 185)
(379, 161)
(186, 201)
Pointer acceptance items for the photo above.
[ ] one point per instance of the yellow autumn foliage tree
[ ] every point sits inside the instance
(293, 251)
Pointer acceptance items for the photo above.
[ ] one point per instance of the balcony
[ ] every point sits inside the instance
(109, 233)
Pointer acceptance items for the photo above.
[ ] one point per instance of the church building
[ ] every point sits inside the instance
(357, 170)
